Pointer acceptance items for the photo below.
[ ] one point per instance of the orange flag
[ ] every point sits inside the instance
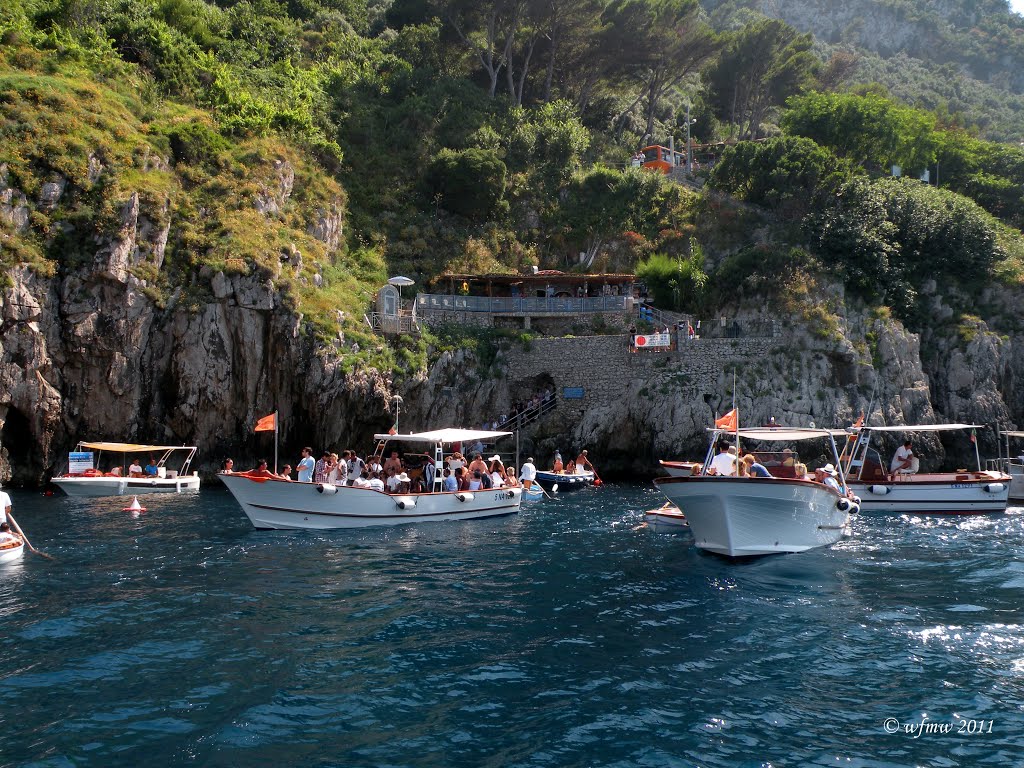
(729, 422)
(267, 424)
(859, 422)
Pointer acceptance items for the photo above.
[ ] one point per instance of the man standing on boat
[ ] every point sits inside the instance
(5, 507)
(528, 474)
(724, 462)
(306, 465)
(583, 463)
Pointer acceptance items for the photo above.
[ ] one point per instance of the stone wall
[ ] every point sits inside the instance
(603, 365)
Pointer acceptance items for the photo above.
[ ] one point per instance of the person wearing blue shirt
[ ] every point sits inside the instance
(451, 483)
(151, 470)
(754, 468)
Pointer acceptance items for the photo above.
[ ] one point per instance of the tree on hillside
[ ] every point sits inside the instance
(787, 173)
(870, 130)
(668, 42)
(763, 65)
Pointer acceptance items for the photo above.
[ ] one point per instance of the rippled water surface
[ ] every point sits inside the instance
(567, 635)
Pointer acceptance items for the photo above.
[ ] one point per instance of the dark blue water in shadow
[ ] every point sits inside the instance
(567, 635)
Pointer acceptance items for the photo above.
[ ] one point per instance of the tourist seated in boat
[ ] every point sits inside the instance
(497, 472)
(827, 476)
(374, 465)
(800, 470)
(7, 535)
(403, 483)
(151, 470)
(262, 471)
(557, 465)
(456, 461)
(901, 459)
(570, 468)
(583, 463)
(371, 480)
(476, 482)
(228, 467)
(912, 465)
(135, 470)
(451, 482)
(751, 467)
(286, 472)
(114, 472)
(724, 462)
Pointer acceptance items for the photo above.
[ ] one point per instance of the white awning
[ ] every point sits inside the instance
(1012, 434)
(447, 436)
(924, 427)
(135, 447)
(778, 434)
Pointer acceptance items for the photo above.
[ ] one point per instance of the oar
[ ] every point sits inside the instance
(25, 538)
(597, 478)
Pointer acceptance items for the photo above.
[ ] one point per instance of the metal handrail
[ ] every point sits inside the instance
(521, 305)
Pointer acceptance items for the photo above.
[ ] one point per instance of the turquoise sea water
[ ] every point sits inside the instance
(567, 635)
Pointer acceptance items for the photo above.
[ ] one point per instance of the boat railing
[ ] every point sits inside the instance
(521, 305)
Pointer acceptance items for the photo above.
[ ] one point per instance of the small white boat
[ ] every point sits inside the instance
(1011, 465)
(679, 468)
(533, 493)
(275, 503)
(963, 492)
(748, 516)
(667, 518)
(84, 478)
(566, 481)
(12, 547)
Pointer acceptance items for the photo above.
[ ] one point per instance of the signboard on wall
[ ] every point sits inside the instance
(652, 340)
(572, 393)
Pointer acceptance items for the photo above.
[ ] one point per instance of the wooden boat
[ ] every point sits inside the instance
(666, 518)
(12, 547)
(963, 492)
(274, 503)
(84, 478)
(748, 516)
(679, 468)
(565, 481)
(533, 493)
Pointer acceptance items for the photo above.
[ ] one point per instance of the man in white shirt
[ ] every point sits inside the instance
(724, 462)
(305, 466)
(374, 482)
(528, 473)
(901, 459)
(5, 507)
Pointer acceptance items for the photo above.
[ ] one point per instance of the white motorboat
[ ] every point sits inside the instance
(565, 481)
(274, 503)
(679, 468)
(1011, 465)
(747, 516)
(85, 478)
(962, 492)
(12, 547)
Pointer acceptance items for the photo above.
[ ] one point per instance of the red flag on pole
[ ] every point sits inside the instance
(729, 422)
(267, 424)
(393, 430)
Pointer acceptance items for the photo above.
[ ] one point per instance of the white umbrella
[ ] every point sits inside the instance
(398, 281)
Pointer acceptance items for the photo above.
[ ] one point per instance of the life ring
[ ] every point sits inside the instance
(92, 473)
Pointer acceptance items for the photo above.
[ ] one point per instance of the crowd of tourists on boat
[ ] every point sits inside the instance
(727, 462)
(411, 473)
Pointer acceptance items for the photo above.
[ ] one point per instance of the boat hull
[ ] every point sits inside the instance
(745, 517)
(1016, 483)
(972, 493)
(11, 551)
(564, 481)
(278, 504)
(94, 487)
(534, 493)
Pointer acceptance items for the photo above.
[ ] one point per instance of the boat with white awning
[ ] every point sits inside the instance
(1010, 463)
(86, 478)
(748, 516)
(270, 502)
(960, 492)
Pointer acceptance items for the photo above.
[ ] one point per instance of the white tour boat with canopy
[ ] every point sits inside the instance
(963, 492)
(85, 478)
(1011, 464)
(747, 516)
(274, 503)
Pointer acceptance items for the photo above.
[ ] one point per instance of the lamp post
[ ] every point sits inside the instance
(689, 158)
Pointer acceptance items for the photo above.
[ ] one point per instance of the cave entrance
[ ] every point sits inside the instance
(16, 445)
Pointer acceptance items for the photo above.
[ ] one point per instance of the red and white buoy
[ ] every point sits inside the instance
(134, 507)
